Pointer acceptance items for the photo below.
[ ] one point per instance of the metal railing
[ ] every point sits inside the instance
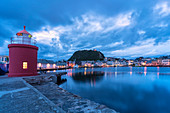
(23, 40)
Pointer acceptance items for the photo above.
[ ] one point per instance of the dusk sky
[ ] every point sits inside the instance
(117, 28)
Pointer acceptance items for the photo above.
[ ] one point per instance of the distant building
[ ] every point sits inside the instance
(154, 63)
(99, 63)
(166, 62)
(149, 63)
(46, 64)
(159, 61)
(61, 64)
(123, 63)
(71, 63)
(4, 59)
(110, 63)
(130, 62)
(4, 64)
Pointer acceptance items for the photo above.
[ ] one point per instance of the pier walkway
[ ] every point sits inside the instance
(39, 94)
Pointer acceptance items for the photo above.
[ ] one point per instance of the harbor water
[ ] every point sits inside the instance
(124, 89)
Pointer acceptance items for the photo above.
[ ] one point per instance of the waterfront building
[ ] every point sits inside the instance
(110, 63)
(149, 63)
(99, 63)
(137, 63)
(159, 61)
(61, 64)
(71, 63)
(22, 55)
(166, 62)
(154, 63)
(143, 63)
(4, 59)
(87, 63)
(46, 64)
(50, 64)
(83, 63)
(130, 62)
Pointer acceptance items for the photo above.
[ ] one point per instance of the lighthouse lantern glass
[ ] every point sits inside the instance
(24, 38)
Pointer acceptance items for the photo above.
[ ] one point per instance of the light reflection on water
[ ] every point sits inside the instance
(125, 89)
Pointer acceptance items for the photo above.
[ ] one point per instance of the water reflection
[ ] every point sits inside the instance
(145, 70)
(90, 77)
(125, 89)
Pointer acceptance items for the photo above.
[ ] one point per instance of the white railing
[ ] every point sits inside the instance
(23, 40)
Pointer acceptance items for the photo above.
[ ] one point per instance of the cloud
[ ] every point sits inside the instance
(85, 28)
(123, 20)
(105, 25)
(141, 32)
(163, 8)
(47, 33)
(96, 47)
(4, 48)
(161, 25)
(144, 48)
(50, 55)
(89, 23)
(115, 44)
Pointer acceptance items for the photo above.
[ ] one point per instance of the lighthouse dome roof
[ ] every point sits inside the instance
(23, 32)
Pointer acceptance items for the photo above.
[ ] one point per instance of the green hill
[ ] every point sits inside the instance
(87, 55)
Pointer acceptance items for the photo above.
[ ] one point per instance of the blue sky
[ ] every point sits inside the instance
(117, 28)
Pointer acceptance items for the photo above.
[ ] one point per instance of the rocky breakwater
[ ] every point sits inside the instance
(63, 99)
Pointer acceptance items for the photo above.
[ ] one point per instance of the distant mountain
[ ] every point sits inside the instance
(87, 55)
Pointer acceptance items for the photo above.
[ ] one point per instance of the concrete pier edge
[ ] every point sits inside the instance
(44, 97)
(71, 103)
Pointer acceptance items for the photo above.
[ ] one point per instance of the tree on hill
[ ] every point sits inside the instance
(87, 55)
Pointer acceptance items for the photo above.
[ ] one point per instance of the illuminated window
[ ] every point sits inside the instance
(25, 65)
(48, 65)
(54, 65)
(39, 64)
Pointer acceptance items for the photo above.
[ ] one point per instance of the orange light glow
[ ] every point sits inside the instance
(25, 65)
(145, 70)
(54, 65)
(48, 65)
(131, 73)
(39, 64)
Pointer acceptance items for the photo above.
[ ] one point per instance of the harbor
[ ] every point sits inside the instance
(84, 56)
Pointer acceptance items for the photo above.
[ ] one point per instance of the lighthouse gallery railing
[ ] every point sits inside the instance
(23, 40)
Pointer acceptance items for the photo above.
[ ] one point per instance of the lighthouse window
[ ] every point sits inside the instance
(25, 65)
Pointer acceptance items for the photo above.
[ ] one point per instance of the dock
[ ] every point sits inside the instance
(51, 69)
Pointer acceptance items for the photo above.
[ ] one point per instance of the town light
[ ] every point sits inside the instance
(48, 65)
(54, 65)
(39, 64)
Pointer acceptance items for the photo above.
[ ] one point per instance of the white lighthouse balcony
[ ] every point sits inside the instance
(23, 40)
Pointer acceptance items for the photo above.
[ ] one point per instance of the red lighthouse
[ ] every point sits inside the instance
(22, 55)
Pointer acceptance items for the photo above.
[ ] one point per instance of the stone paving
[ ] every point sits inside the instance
(39, 94)
(67, 101)
(16, 97)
